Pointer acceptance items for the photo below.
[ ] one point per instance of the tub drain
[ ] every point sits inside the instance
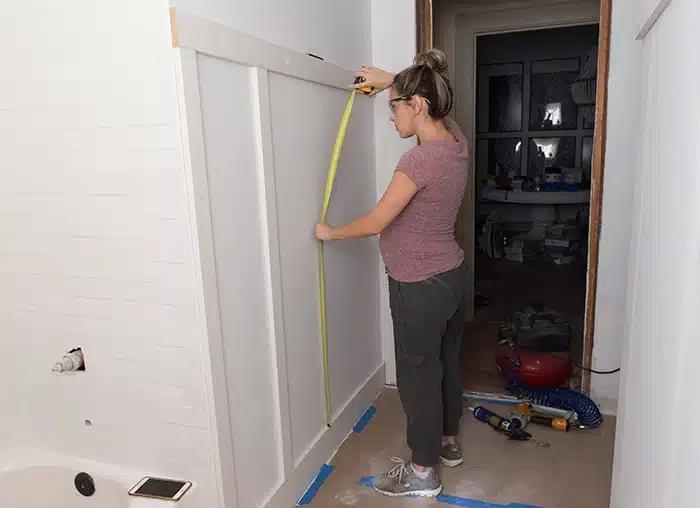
(84, 484)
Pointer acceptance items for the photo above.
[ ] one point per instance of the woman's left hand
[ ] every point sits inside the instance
(323, 232)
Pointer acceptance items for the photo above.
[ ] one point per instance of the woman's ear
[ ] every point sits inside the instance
(413, 104)
(419, 105)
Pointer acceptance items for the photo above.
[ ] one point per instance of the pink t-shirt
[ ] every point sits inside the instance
(420, 242)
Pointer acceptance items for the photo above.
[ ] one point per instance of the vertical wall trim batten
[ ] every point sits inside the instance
(194, 156)
(268, 199)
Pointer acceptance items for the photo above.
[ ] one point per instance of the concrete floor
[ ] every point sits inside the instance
(574, 472)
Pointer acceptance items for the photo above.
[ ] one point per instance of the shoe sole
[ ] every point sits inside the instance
(415, 493)
(451, 463)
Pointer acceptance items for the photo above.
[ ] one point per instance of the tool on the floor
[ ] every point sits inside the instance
(521, 415)
(534, 347)
(553, 412)
(555, 423)
(525, 414)
(583, 412)
(534, 357)
(511, 428)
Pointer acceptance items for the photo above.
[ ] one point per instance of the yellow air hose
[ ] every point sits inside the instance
(340, 138)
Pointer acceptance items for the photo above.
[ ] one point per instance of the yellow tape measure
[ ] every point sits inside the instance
(335, 157)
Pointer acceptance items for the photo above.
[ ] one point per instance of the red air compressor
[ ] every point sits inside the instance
(534, 349)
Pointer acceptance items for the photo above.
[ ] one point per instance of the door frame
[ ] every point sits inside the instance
(492, 18)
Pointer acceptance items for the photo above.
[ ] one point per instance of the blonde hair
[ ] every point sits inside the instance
(427, 78)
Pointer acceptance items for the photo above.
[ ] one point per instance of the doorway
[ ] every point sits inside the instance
(532, 162)
(545, 253)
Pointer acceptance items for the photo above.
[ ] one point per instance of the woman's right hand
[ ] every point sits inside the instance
(375, 77)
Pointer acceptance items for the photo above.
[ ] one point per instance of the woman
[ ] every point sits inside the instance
(415, 219)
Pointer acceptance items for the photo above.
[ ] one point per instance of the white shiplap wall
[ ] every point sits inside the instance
(96, 249)
(99, 252)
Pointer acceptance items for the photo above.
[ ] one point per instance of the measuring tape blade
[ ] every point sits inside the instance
(330, 180)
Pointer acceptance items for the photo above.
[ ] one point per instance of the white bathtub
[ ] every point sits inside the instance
(48, 483)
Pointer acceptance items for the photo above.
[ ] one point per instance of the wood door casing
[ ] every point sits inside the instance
(597, 175)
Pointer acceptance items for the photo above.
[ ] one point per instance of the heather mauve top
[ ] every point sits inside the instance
(420, 242)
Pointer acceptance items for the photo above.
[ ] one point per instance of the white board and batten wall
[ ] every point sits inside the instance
(260, 124)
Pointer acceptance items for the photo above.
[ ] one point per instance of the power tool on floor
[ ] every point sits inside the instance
(521, 415)
(510, 427)
(534, 348)
(525, 414)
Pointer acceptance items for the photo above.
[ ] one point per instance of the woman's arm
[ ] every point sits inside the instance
(375, 77)
(399, 193)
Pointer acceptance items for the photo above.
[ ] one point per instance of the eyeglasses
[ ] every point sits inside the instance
(395, 100)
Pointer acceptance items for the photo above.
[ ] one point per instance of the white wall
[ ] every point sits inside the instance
(656, 451)
(393, 49)
(261, 121)
(96, 248)
(336, 31)
(621, 169)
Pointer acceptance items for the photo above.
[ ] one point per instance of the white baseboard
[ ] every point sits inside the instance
(299, 480)
(608, 407)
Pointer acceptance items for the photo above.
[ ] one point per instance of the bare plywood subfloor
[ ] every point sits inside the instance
(574, 472)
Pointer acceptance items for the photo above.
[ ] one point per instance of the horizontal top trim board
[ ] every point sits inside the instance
(653, 18)
(462, 8)
(208, 37)
(487, 23)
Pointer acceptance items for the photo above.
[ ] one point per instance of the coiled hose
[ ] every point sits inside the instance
(589, 416)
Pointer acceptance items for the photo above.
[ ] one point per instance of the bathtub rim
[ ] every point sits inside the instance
(127, 477)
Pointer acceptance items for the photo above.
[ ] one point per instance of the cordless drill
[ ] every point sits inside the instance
(509, 427)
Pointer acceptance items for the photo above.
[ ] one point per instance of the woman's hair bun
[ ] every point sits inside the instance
(434, 59)
(433, 85)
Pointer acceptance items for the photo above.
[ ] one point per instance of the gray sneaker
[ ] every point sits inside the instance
(451, 455)
(401, 480)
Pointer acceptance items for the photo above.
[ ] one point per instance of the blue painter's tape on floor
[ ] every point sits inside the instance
(367, 481)
(316, 485)
(473, 503)
(364, 419)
